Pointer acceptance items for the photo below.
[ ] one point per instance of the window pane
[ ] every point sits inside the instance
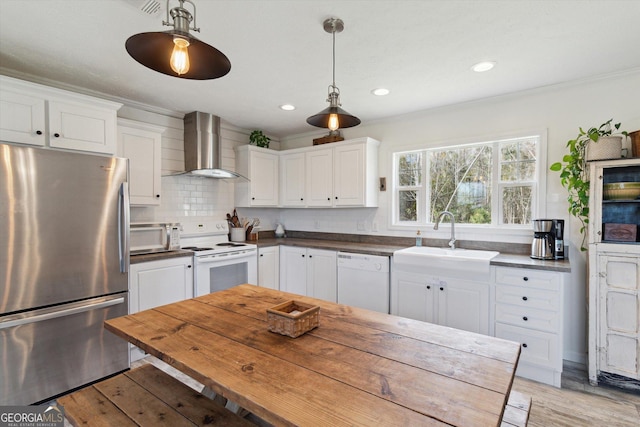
(460, 182)
(518, 160)
(527, 171)
(410, 169)
(408, 206)
(508, 172)
(516, 205)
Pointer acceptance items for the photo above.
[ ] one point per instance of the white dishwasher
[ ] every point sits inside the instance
(363, 281)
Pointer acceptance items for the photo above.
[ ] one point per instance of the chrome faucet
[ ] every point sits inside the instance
(452, 242)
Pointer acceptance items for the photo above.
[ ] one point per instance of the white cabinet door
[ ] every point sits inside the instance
(319, 178)
(619, 326)
(322, 274)
(412, 298)
(82, 127)
(293, 270)
(156, 283)
(349, 178)
(142, 145)
(269, 267)
(464, 305)
(260, 166)
(292, 180)
(22, 118)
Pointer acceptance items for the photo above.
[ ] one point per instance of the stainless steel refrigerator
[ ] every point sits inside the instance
(64, 227)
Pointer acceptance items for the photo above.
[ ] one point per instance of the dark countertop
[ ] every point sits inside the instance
(136, 259)
(502, 260)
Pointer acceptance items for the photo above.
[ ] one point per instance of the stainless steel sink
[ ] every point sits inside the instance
(463, 263)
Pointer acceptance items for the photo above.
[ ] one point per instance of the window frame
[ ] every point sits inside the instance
(497, 227)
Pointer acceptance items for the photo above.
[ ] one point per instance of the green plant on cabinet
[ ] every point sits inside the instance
(259, 139)
(574, 174)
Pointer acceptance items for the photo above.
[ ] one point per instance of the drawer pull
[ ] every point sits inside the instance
(441, 288)
(525, 318)
(525, 278)
(428, 286)
(524, 345)
(524, 298)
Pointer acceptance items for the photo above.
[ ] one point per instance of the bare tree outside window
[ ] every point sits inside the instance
(465, 180)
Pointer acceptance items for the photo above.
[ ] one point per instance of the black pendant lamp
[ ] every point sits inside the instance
(176, 52)
(333, 117)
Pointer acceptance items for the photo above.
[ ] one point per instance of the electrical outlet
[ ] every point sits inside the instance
(360, 225)
(383, 184)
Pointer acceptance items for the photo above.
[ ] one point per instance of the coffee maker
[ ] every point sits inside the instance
(548, 239)
(542, 245)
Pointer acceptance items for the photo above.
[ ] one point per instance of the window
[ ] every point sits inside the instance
(487, 184)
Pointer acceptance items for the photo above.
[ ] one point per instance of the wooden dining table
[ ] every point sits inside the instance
(357, 368)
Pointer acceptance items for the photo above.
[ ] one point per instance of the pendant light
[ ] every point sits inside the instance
(333, 117)
(176, 52)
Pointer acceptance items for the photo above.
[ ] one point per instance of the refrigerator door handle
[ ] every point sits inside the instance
(123, 227)
(59, 311)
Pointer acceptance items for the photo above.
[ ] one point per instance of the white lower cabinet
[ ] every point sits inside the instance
(614, 324)
(456, 303)
(310, 272)
(269, 267)
(528, 310)
(156, 283)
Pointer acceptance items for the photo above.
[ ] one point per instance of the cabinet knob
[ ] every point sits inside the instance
(524, 345)
(57, 135)
(310, 256)
(188, 266)
(38, 132)
(524, 298)
(328, 198)
(261, 254)
(428, 286)
(336, 197)
(525, 318)
(157, 196)
(442, 288)
(253, 198)
(301, 199)
(525, 278)
(302, 255)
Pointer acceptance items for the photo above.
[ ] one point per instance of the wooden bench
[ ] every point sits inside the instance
(516, 413)
(145, 396)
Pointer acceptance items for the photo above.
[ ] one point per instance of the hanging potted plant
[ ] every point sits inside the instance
(574, 174)
(260, 139)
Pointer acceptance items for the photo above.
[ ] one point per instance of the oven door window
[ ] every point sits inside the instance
(227, 276)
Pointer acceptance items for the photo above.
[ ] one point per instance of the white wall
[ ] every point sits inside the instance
(559, 109)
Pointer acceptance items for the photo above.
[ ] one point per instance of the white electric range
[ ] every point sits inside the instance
(219, 263)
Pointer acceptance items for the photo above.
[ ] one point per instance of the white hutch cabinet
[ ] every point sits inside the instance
(614, 277)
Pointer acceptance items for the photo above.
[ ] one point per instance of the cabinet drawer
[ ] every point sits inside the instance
(528, 297)
(527, 317)
(528, 278)
(540, 348)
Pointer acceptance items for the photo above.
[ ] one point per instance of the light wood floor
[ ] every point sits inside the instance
(577, 403)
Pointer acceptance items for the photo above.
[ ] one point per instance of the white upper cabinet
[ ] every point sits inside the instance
(292, 180)
(39, 115)
(141, 144)
(260, 167)
(319, 177)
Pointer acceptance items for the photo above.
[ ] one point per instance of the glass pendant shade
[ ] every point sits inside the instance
(176, 52)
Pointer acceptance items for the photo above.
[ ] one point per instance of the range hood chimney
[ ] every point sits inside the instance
(203, 147)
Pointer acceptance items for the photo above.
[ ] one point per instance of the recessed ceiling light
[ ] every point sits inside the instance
(380, 91)
(481, 67)
(287, 107)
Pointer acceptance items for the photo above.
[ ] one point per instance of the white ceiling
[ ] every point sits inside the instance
(421, 50)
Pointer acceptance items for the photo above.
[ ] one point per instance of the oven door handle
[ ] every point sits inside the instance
(207, 259)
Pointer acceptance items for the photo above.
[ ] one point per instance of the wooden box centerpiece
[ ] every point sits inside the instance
(293, 318)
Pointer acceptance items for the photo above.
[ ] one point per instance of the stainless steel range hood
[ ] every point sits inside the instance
(203, 147)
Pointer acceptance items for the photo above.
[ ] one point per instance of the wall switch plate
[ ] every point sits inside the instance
(383, 184)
